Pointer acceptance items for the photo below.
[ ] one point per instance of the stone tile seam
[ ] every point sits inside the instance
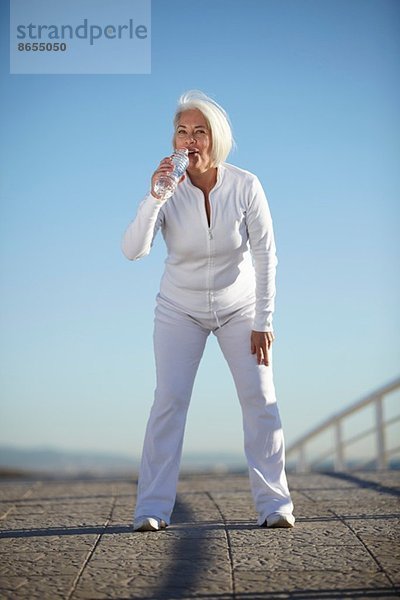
(228, 542)
(390, 516)
(372, 555)
(92, 550)
(23, 497)
(348, 525)
(311, 499)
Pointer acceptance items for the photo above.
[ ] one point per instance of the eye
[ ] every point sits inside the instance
(200, 133)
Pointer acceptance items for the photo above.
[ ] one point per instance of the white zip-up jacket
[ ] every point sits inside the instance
(218, 267)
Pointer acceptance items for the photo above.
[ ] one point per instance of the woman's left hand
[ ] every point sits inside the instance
(261, 342)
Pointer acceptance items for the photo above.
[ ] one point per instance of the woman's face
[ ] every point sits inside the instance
(193, 133)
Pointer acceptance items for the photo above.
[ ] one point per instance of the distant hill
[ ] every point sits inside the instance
(54, 461)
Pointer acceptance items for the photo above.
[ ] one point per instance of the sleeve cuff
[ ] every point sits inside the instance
(263, 323)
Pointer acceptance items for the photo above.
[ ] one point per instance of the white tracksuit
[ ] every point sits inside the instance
(220, 278)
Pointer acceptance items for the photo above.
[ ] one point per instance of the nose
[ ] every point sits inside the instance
(190, 142)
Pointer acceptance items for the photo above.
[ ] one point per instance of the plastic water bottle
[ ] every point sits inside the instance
(166, 185)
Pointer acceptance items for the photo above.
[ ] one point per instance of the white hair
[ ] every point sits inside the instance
(217, 120)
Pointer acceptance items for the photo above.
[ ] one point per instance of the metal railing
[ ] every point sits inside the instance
(337, 456)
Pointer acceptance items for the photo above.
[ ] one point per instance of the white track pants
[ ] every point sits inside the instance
(179, 341)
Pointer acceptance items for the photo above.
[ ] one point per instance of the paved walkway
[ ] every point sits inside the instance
(72, 540)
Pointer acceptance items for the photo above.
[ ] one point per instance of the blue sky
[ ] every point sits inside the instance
(312, 88)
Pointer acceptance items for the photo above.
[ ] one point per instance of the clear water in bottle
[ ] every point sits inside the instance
(166, 185)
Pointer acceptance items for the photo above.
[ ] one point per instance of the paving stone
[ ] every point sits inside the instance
(261, 583)
(318, 534)
(387, 555)
(52, 543)
(376, 527)
(159, 546)
(38, 588)
(155, 578)
(12, 583)
(381, 478)
(44, 564)
(74, 540)
(315, 481)
(309, 558)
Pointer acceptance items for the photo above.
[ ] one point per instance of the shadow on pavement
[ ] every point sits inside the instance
(365, 483)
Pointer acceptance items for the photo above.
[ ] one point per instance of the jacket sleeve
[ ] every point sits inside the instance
(262, 245)
(139, 236)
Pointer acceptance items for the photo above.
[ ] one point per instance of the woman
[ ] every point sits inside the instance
(219, 277)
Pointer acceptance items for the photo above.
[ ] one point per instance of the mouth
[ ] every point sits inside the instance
(194, 151)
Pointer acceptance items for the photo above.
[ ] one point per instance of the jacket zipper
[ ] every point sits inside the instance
(210, 260)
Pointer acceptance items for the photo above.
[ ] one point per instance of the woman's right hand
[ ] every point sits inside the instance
(164, 168)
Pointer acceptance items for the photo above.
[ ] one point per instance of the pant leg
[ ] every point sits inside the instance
(263, 435)
(178, 346)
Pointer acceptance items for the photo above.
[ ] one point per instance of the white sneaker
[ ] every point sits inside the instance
(280, 520)
(149, 524)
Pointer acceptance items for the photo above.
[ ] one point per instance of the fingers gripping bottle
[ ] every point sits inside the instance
(166, 185)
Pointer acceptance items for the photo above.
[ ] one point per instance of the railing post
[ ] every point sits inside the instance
(339, 455)
(302, 464)
(380, 434)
